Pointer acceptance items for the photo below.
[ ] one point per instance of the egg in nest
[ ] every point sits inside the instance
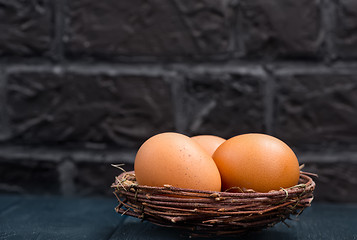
(256, 161)
(208, 142)
(175, 159)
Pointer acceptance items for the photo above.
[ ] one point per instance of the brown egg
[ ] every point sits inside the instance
(209, 142)
(256, 161)
(175, 159)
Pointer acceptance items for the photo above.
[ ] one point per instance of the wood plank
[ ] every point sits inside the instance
(95, 218)
(8, 202)
(60, 218)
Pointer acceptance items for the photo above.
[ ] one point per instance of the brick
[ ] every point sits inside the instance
(345, 34)
(29, 177)
(95, 178)
(317, 109)
(336, 182)
(224, 104)
(147, 28)
(70, 108)
(67, 171)
(26, 27)
(281, 28)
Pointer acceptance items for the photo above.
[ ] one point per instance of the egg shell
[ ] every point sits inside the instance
(175, 159)
(256, 161)
(208, 142)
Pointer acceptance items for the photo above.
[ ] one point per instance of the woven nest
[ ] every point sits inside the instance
(208, 213)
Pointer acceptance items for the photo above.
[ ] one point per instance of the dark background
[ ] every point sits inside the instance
(84, 83)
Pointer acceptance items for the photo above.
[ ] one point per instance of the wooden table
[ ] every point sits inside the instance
(39, 217)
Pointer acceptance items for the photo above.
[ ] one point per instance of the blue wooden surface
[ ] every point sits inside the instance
(34, 217)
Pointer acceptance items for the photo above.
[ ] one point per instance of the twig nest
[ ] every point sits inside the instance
(210, 213)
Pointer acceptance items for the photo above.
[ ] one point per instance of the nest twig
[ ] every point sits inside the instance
(208, 213)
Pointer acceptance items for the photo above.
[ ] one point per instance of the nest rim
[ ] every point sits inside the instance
(249, 193)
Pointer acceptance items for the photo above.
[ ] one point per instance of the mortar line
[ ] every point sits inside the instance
(269, 101)
(4, 120)
(59, 25)
(238, 25)
(328, 13)
(249, 68)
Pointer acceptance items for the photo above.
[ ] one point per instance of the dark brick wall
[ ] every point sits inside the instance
(282, 29)
(26, 28)
(159, 29)
(48, 108)
(83, 83)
